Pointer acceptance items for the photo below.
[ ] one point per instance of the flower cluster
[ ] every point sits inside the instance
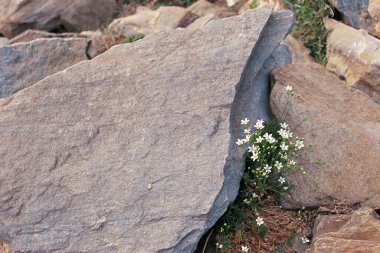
(271, 151)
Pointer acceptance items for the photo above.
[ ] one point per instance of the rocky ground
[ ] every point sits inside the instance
(119, 122)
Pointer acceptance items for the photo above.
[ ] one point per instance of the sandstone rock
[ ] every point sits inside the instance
(101, 43)
(202, 21)
(278, 4)
(24, 64)
(374, 11)
(18, 16)
(134, 155)
(204, 7)
(231, 3)
(148, 21)
(355, 56)
(343, 128)
(30, 35)
(356, 233)
(299, 52)
(360, 14)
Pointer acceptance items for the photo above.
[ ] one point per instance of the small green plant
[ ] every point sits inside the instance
(271, 151)
(182, 3)
(252, 4)
(309, 27)
(131, 39)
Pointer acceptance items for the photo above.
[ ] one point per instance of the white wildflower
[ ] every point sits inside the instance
(282, 180)
(292, 163)
(285, 157)
(305, 240)
(220, 246)
(254, 195)
(255, 156)
(245, 121)
(284, 147)
(284, 125)
(267, 168)
(299, 144)
(247, 131)
(259, 139)
(288, 88)
(240, 142)
(253, 149)
(244, 249)
(268, 137)
(259, 221)
(286, 188)
(259, 124)
(283, 133)
(278, 165)
(271, 139)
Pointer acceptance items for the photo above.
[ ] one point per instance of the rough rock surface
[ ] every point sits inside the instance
(355, 56)
(204, 7)
(136, 156)
(356, 233)
(343, 128)
(24, 64)
(363, 14)
(149, 21)
(17, 16)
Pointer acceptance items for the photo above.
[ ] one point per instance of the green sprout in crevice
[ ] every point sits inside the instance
(134, 38)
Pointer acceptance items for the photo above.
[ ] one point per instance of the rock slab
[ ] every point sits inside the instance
(53, 15)
(342, 125)
(118, 155)
(356, 233)
(355, 56)
(24, 64)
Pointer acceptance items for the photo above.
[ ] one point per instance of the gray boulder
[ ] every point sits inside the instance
(134, 151)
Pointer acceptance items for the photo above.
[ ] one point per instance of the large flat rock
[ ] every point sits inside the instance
(24, 64)
(342, 125)
(134, 151)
